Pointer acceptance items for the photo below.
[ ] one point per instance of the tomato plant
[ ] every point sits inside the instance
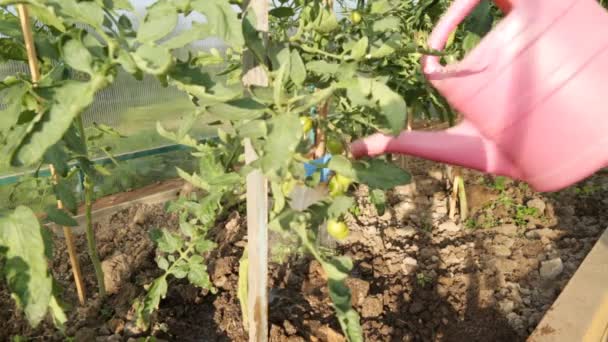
(357, 70)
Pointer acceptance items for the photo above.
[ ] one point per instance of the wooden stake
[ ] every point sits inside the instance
(257, 206)
(34, 70)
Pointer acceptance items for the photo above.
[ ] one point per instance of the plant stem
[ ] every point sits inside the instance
(88, 203)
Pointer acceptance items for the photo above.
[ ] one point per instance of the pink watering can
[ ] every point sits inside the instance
(533, 94)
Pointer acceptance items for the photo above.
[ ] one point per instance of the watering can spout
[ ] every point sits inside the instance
(461, 145)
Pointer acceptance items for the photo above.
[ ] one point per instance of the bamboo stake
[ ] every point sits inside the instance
(34, 70)
(257, 206)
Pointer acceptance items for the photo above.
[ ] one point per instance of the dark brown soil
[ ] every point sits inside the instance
(418, 276)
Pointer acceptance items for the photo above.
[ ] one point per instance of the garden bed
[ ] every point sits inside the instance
(418, 276)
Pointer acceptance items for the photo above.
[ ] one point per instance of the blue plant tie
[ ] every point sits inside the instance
(315, 165)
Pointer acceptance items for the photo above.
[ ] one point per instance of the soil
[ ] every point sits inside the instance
(419, 275)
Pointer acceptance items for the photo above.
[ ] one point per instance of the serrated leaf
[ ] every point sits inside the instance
(60, 217)
(152, 59)
(160, 20)
(285, 134)
(298, 70)
(380, 7)
(162, 263)
(386, 24)
(198, 275)
(202, 245)
(376, 173)
(371, 92)
(66, 101)
(65, 194)
(166, 241)
(223, 20)
(57, 156)
(378, 199)
(196, 32)
(359, 49)
(77, 56)
(25, 265)
(237, 110)
(186, 228)
(252, 129)
(323, 68)
(12, 50)
(281, 12)
(156, 292)
(339, 206)
(180, 269)
(326, 22)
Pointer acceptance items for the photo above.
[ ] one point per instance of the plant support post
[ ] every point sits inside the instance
(34, 70)
(257, 206)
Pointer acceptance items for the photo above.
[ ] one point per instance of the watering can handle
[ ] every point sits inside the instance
(447, 24)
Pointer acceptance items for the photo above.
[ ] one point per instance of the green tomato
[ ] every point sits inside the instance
(337, 229)
(334, 146)
(338, 185)
(306, 123)
(355, 17)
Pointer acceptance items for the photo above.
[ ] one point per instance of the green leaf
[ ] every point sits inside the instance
(386, 24)
(339, 206)
(60, 217)
(281, 12)
(285, 134)
(370, 92)
(322, 68)
(77, 56)
(64, 193)
(57, 156)
(378, 199)
(66, 101)
(162, 263)
(298, 70)
(252, 129)
(156, 292)
(160, 20)
(237, 110)
(202, 245)
(166, 241)
(380, 7)
(223, 20)
(186, 228)
(470, 41)
(25, 265)
(278, 196)
(196, 32)
(326, 22)
(376, 173)
(12, 50)
(154, 60)
(179, 269)
(359, 49)
(198, 275)
(252, 37)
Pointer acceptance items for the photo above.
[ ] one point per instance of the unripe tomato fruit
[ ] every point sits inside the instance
(338, 185)
(306, 123)
(338, 230)
(334, 146)
(355, 17)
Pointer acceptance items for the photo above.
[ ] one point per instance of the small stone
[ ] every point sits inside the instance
(289, 328)
(550, 234)
(372, 307)
(507, 230)
(358, 288)
(416, 307)
(502, 251)
(409, 265)
(506, 306)
(449, 227)
(104, 330)
(550, 269)
(408, 190)
(84, 334)
(131, 329)
(404, 209)
(538, 204)
(442, 291)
